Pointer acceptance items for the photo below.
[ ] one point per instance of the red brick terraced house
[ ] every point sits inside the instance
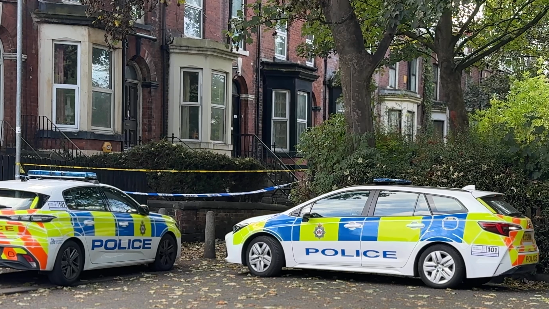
(175, 78)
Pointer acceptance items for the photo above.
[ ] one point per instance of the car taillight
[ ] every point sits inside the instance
(30, 218)
(500, 228)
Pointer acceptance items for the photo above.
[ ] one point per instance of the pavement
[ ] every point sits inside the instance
(199, 283)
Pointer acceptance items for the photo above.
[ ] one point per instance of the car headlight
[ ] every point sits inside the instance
(237, 227)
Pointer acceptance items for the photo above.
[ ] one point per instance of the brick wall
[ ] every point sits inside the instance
(191, 216)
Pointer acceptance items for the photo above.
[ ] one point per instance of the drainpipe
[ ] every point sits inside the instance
(163, 52)
(124, 60)
(326, 101)
(258, 75)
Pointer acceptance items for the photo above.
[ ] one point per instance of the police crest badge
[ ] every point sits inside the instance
(319, 231)
(143, 229)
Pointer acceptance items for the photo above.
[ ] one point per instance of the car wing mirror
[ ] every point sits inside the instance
(306, 217)
(144, 210)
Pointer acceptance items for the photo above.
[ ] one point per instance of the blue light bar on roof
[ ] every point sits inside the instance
(390, 181)
(61, 174)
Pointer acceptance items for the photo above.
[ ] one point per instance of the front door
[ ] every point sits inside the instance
(131, 114)
(394, 228)
(331, 236)
(236, 121)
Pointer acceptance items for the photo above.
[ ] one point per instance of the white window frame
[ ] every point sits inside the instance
(409, 125)
(280, 119)
(306, 112)
(199, 104)
(104, 90)
(416, 77)
(223, 107)
(399, 111)
(76, 88)
(309, 41)
(201, 9)
(396, 76)
(284, 35)
(241, 45)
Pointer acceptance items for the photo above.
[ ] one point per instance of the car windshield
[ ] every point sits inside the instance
(500, 206)
(18, 200)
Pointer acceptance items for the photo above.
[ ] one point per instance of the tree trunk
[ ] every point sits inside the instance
(356, 66)
(450, 78)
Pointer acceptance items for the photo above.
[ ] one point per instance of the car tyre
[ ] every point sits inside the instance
(265, 257)
(441, 267)
(166, 254)
(476, 282)
(68, 266)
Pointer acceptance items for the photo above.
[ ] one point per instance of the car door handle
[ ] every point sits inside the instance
(416, 225)
(353, 225)
(89, 222)
(123, 224)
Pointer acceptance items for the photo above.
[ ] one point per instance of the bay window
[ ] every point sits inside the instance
(281, 40)
(281, 105)
(410, 124)
(102, 89)
(66, 84)
(219, 103)
(393, 75)
(301, 114)
(193, 18)
(190, 104)
(395, 121)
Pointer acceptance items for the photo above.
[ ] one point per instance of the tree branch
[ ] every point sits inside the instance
(455, 38)
(384, 44)
(419, 38)
(505, 38)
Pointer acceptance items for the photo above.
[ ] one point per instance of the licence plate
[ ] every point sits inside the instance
(531, 258)
(527, 237)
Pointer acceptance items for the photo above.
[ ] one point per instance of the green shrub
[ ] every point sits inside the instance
(489, 164)
(167, 156)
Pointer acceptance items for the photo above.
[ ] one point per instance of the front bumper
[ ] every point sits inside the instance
(234, 252)
(17, 258)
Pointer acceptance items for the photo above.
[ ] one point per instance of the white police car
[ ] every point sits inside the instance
(445, 236)
(65, 222)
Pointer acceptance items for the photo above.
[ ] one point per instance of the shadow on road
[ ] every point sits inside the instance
(374, 279)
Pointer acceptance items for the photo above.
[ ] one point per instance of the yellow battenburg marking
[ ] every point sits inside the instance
(308, 230)
(105, 223)
(240, 236)
(141, 224)
(20, 251)
(34, 203)
(474, 234)
(395, 229)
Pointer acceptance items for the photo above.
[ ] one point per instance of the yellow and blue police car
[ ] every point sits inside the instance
(445, 236)
(64, 223)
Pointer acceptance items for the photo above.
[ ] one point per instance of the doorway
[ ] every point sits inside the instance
(132, 108)
(236, 136)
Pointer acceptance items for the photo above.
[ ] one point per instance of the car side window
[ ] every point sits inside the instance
(422, 207)
(442, 205)
(119, 202)
(347, 204)
(395, 204)
(85, 199)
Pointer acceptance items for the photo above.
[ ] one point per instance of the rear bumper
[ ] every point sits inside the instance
(520, 270)
(18, 258)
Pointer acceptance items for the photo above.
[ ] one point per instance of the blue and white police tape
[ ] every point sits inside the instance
(210, 194)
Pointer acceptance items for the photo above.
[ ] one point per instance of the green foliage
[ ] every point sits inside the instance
(167, 156)
(497, 86)
(525, 108)
(490, 164)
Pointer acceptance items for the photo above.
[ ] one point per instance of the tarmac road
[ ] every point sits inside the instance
(200, 283)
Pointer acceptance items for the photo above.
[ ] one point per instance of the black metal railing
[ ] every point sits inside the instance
(8, 140)
(43, 134)
(128, 143)
(251, 146)
(176, 140)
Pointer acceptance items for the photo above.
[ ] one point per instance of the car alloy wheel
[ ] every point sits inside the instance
(260, 257)
(439, 267)
(70, 263)
(166, 251)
